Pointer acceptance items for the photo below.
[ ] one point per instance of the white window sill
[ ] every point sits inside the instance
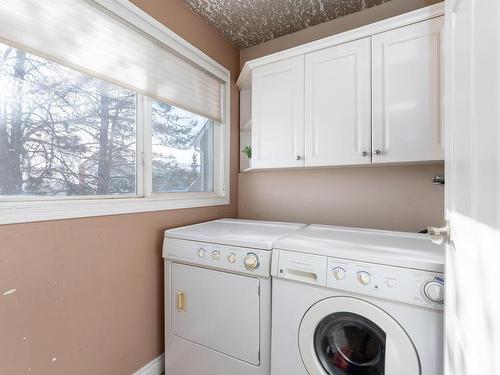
(30, 211)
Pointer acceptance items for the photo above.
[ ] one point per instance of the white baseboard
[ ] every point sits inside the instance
(155, 367)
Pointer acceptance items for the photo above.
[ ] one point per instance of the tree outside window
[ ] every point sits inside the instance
(65, 133)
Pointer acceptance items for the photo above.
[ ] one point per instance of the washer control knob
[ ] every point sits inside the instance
(201, 252)
(231, 258)
(251, 261)
(434, 291)
(363, 278)
(215, 255)
(338, 273)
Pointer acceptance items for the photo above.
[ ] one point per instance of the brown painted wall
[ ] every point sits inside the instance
(351, 21)
(394, 198)
(88, 298)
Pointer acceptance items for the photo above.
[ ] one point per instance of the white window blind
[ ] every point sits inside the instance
(85, 36)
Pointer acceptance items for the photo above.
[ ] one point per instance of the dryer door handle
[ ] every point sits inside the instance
(181, 302)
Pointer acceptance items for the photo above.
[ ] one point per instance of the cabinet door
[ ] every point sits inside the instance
(338, 105)
(278, 114)
(407, 92)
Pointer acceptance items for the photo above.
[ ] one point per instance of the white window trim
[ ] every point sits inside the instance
(30, 209)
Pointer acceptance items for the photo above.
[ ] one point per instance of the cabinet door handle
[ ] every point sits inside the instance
(181, 302)
(378, 152)
(298, 157)
(364, 154)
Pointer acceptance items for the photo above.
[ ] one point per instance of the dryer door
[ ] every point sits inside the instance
(348, 336)
(217, 310)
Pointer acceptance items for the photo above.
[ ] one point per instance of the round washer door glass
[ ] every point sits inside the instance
(349, 344)
(349, 336)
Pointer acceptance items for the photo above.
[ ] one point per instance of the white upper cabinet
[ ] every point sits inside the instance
(278, 114)
(338, 105)
(407, 91)
(369, 95)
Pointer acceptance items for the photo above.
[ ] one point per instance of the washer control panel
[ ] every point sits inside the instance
(405, 285)
(231, 258)
(394, 283)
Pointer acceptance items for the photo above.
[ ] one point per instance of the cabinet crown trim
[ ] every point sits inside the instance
(405, 19)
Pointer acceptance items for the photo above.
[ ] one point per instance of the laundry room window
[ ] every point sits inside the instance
(129, 119)
(182, 150)
(63, 133)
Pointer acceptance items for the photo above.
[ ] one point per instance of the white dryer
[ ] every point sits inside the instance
(218, 297)
(357, 302)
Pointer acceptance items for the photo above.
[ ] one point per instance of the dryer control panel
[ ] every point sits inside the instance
(405, 285)
(230, 258)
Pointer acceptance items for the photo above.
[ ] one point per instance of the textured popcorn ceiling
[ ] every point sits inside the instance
(250, 22)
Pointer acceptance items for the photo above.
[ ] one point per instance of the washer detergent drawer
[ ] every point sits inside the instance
(217, 310)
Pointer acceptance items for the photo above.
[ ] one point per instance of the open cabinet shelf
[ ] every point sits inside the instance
(245, 127)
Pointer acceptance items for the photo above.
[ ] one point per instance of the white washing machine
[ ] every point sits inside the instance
(218, 297)
(357, 302)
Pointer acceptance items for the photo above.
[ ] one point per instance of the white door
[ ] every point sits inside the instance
(407, 88)
(217, 310)
(473, 187)
(278, 114)
(338, 105)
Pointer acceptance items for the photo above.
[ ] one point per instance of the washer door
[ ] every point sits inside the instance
(348, 336)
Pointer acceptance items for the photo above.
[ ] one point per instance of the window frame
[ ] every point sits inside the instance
(19, 209)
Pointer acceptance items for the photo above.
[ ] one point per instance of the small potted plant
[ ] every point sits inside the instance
(247, 151)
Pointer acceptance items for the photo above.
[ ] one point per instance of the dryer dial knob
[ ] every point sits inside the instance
(231, 258)
(364, 278)
(251, 261)
(434, 291)
(338, 273)
(201, 252)
(215, 255)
